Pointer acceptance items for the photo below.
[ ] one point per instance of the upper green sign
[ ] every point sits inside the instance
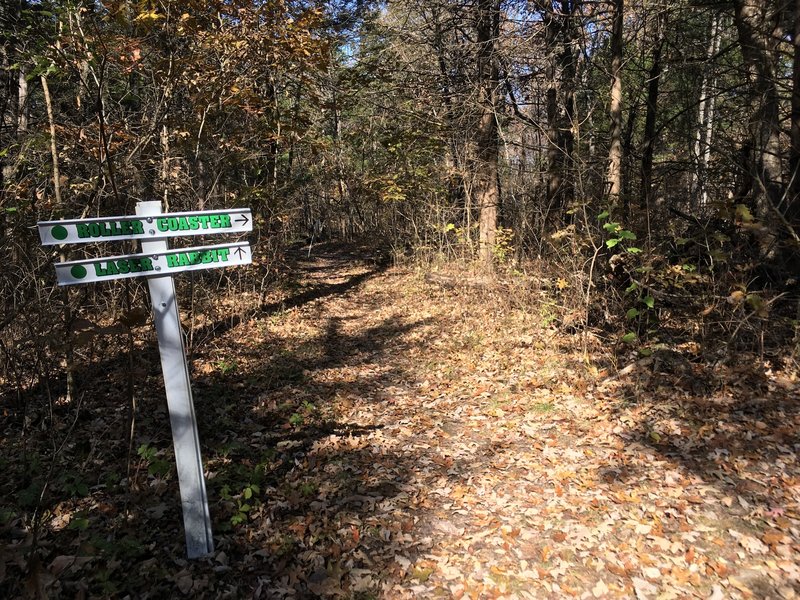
(152, 227)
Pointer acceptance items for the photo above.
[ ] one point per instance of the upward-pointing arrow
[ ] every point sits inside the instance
(239, 252)
(244, 220)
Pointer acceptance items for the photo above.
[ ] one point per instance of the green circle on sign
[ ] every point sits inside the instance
(78, 271)
(59, 232)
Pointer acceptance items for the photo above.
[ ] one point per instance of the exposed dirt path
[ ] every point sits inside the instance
(420, 442)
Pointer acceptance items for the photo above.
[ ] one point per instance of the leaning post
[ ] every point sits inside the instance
(182, 418)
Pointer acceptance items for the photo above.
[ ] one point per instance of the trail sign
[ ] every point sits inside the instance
(109, 229)
(158, 263)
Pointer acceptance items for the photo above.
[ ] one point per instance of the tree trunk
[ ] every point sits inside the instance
(22, 114)
(615, 111)
(68, 348)
(793, 210)
(487, 191)
(756, 24)
(560, 96)
(705, 120)
(653, 78)
(164, 173)
(453, 167)
(53, 147)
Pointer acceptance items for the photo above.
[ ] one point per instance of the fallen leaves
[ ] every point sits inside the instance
(409, 443)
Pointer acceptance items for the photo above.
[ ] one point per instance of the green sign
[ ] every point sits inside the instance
(142, 228)
(158, 262)
(142, 265)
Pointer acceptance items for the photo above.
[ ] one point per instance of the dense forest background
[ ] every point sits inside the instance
(629, 170)
(644, 153)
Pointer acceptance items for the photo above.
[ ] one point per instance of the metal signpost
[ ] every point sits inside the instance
(158, 263)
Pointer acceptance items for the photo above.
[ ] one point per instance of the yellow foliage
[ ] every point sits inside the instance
(149, 16)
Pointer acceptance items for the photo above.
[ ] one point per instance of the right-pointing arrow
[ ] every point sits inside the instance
(244, 220)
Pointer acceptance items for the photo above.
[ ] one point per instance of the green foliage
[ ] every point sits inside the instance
(6, 515)
(111, 478)
(504, 244)
(225, 366)
(157, 466)
(72, 484)
(542, 407)
(129, 548)
(618, 235)
(244, 501)
(231, 448)
(309, 489)
(304, 413)
(79, 522)
(28, 497)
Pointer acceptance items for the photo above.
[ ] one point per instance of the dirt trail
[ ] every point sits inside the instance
(424, 443)
(370, 435)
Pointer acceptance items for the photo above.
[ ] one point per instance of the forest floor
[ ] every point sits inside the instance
(368, 434)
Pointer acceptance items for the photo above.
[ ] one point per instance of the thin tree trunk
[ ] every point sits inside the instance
(615, 110)
(454, 173)
(569, 9)
(15, 88)
(487, 192)
(164, 177)
(627, 151)
(69, 353)
(756, 22)
(793, 210)
(554, 166)
(654, 78)
(22, 114)
(705, 120)
(272, 150)
(561, 72)
(53, 148)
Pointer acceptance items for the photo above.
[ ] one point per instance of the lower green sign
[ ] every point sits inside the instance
(143, 265)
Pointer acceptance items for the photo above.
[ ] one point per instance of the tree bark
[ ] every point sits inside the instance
(793, 211)
(615, 109)
(705, 120)
(53, 149)
(756, 24)
(68, 347)
(487, 189)
(653, 80)
(561, 81)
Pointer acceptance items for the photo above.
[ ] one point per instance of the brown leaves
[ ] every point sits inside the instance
(400, 454)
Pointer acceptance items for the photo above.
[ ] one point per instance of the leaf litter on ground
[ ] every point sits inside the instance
(374, 435)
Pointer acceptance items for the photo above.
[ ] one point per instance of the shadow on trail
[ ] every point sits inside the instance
(292, 483)
(302, 266)
(309, 499)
